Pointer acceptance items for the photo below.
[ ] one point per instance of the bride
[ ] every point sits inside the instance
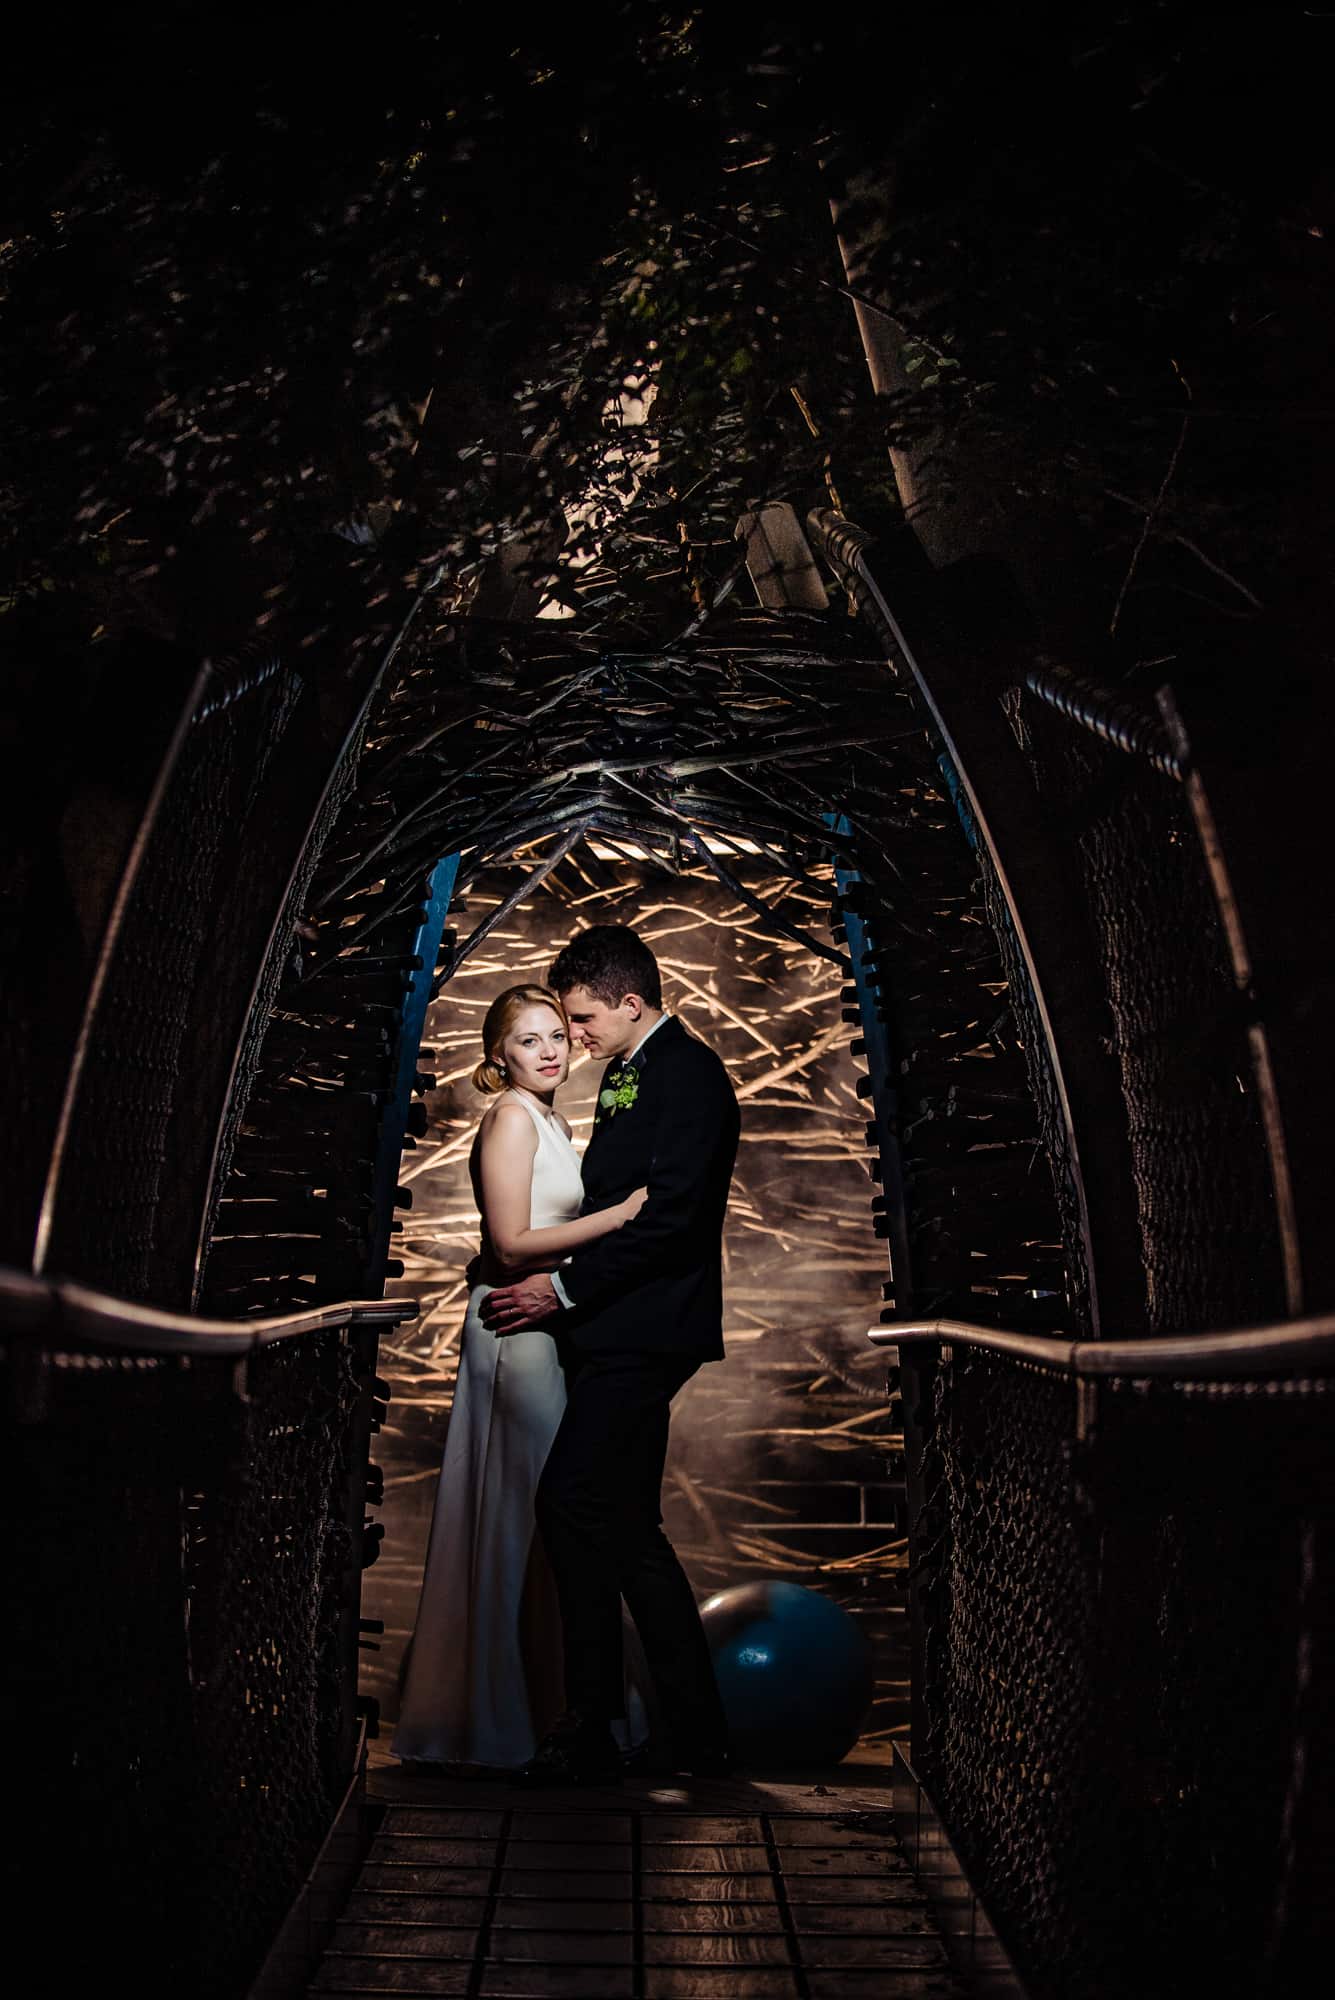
(484, 1676)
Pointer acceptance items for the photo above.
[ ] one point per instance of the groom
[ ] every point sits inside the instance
(636, 1313)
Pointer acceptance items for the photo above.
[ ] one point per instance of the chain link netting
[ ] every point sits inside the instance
(1122, 1617)
(1005, 1565)
(1052, 1125)
(282, 966)
(135, 1077)
(1180, 1033)
(183, 1694)
(1120, 1586)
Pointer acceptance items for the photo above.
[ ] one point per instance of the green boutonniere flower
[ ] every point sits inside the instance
(620, 1089)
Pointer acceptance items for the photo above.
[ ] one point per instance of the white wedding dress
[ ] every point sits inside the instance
(484, 1679)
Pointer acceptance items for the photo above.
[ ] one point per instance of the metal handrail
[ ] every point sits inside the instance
(75, 1312)
(1248, 1350)
(1106, 714)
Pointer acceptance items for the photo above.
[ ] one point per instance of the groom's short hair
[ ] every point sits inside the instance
(611, 962)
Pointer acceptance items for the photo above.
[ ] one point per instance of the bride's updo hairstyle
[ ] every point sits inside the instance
(489, 1077)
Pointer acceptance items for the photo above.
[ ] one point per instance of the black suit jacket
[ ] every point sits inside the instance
(656, 1284)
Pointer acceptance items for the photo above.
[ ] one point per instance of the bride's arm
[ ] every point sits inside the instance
(508, 1144)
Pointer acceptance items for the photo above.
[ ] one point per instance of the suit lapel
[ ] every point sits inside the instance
(661, 1039)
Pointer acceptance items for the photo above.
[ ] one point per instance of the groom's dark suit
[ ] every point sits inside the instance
(646, 1310)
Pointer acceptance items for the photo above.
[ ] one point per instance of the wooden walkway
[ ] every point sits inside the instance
(729, 1890)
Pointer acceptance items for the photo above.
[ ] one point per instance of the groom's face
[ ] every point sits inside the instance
(606, 1032)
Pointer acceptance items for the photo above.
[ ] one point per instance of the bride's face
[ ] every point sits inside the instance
(536, 1052)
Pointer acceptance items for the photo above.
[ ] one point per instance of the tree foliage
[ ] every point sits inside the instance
(297, 324)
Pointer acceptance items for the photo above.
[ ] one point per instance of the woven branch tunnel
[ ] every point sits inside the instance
(1006, 946)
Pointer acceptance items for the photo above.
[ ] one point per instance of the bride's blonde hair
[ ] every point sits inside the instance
(489, 1076)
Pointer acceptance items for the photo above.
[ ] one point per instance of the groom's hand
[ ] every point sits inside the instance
(511, 1308)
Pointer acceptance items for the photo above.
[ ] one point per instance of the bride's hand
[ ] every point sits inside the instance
(631, 1206)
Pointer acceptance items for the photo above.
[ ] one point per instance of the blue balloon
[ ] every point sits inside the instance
(794, 1670)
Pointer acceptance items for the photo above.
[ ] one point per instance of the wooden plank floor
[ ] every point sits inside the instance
(725, 1890)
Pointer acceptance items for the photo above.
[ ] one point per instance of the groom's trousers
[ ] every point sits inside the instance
(599, 1513)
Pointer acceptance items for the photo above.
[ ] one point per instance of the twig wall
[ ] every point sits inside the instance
(783, 1461)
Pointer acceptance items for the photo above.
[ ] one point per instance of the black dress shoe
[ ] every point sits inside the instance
(652, 1761)
(706, 1763)
(647, 1760)
(580, 1750)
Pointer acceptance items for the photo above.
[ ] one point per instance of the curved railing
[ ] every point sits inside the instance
(1201, 1357)
(77, 1312)
(187, 1543)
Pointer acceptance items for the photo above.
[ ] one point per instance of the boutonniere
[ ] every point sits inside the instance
(620, 1089)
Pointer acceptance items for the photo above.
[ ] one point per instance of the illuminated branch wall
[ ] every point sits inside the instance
(783, 1462)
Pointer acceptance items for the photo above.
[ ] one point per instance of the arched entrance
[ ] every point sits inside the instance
(774, 766)
(776, 735)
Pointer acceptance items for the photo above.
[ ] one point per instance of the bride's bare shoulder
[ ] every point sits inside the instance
(507, 1121)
